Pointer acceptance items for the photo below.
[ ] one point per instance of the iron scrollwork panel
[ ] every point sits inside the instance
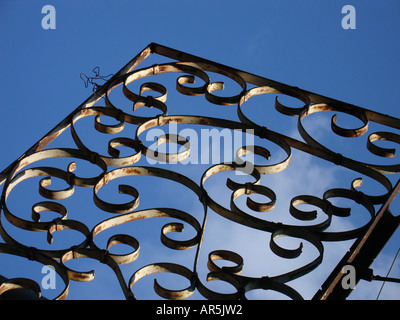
(269, 189)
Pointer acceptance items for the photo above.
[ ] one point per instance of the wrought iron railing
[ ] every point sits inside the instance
(293, 187)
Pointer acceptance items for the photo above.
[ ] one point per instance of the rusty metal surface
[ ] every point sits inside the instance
(188, 71)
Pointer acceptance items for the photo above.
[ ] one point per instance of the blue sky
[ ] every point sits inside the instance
(300, 43)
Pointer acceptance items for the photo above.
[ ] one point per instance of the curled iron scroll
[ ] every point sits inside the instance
(68, 176)
(170, 268)
(34, 254)
(278, 106)
(244, 284)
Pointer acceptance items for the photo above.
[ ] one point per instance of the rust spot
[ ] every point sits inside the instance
(133, 171)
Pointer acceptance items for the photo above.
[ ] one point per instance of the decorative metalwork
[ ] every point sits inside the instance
(275, 175)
